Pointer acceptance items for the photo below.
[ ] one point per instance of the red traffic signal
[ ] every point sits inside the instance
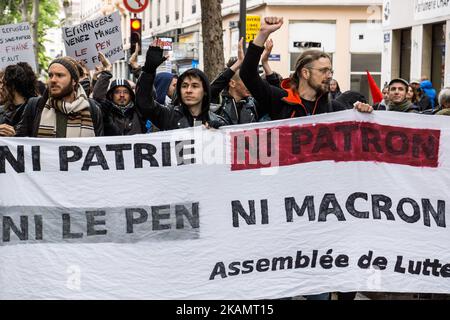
(136, 24)
(135, 34)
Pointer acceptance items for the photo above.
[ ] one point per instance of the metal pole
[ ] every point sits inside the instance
(242, 21)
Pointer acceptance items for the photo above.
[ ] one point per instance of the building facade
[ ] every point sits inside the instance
(349, 30)
(416, 44)
(179, 23)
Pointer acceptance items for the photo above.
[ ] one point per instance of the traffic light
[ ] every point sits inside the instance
(136, 34)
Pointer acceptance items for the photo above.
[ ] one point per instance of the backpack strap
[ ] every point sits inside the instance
(34, 105)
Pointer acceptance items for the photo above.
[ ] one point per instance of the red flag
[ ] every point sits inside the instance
(377, 95)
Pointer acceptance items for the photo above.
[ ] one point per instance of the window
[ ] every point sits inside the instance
(360, 62)
(167, 12)
(321, 33)
(177, 9)
(158, 20)
(438, 56)
(405, 55)
(194, 7)
(143, 21)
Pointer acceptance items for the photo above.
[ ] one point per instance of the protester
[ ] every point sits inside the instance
(335, 90)
(429, 91)
(398, 101)
(444, 103)
(117, 102)
(236, 104)
(383, 105)
(85, 79)
(3, 95)
(423, 102)
(133, 65)
(19, 84)
(6, 130)
(304, 94)
(64, 111)
(270, 76)
(165, 86)
(410, 94)
(192, 106)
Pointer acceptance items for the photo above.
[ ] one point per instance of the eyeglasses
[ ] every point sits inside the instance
(121, 92)
(323, 70)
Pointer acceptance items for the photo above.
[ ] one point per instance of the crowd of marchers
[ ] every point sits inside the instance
(78, 103)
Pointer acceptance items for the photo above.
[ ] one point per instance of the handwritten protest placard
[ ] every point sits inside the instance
(84, 41)
(16, 45)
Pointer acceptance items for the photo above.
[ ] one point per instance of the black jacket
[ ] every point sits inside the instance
(11, 117)
(171, 117)
(238, 112)
(116, 121)
(279, 103)
(29, 125)
(235, 112)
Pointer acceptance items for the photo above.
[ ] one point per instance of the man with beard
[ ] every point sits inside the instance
(120, 115)
(64, 111)
(305, 93)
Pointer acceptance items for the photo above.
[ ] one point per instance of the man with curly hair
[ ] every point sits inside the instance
(19, 83)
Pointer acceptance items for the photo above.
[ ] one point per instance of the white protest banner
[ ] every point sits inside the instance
(337, 202)
(16, 45)
(84, 41)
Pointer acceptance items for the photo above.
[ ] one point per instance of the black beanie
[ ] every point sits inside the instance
(70, 64)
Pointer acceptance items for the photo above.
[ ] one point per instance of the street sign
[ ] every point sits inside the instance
(252, 27)
(135, 6)
(274, 57)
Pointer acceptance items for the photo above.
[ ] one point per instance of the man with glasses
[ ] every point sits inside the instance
(121, 116)
(305, 93)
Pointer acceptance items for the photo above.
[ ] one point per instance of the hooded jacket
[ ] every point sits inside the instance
(429, 91)
(178, 116)
(118, 121)
(235, 112)
(279, 103)
(162, 83)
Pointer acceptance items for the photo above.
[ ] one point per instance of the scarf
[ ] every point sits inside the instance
(79, 120)
(404, 106)
(124, 109)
